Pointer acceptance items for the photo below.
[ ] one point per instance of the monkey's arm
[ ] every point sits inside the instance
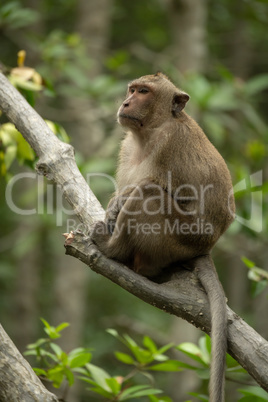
(115, 205)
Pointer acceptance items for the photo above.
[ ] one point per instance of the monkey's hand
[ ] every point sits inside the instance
(100, 235)
(112, 212)
(114, 207)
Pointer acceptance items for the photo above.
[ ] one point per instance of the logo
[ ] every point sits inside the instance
(49, 200)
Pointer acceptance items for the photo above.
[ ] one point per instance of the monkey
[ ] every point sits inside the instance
(174, 199)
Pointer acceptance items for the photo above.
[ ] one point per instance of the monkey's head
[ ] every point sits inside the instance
(151, 100)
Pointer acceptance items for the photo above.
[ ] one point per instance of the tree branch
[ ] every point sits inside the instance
(18, 381)
(56, 158)
(178, 293)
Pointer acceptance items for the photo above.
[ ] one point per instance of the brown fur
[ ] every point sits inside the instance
(169, 172)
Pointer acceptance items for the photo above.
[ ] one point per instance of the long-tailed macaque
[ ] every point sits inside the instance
(173, 202)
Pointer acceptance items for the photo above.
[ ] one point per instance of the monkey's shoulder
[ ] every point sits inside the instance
(178, 146)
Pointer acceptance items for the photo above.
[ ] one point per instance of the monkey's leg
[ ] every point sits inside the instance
(144, 236)
(104, 233)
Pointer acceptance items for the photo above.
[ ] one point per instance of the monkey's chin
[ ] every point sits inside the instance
(126, 120)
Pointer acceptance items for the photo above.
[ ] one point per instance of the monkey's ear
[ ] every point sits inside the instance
(179, 101)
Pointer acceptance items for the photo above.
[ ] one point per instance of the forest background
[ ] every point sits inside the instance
(86, 51)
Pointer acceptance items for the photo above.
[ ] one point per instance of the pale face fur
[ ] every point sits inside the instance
(138, 111)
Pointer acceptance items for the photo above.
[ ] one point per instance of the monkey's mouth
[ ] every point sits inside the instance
(129, 117)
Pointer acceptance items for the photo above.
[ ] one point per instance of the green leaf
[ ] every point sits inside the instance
(114, 333)
(79, 360)
(191, 350)
(145, 392)
(124, 358)
(59, 131)
(165, 348)
(114, 385)
(78, 351)
(129, 341)
(46, 324)
(205, 347)
(248, 263)
(10, 155)
(201, 397)
(149, 344)
(24, 149)
(135, 388)
(99, 375)
(44, 353)
(88, 380)
(40, 372)
(57, 350)
(56, 375)
(37, 344)
(160, 357)
(232, 364)
(102, 392)
(257, 287)
(81, 370)
(62, 326)
(142, 356)
(138, 391)
(15, 144)
(52, 333)
(30, 353)
(258, 394)
(170, 365)
(161, 398)
(69, 376)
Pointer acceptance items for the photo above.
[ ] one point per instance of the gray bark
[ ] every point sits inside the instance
(18, 382)
(179, 294)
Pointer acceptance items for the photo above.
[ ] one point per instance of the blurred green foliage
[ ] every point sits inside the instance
(14, 15)
(231, 108)
(142, 359)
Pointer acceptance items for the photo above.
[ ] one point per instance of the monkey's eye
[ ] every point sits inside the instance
(143, 91)
(132, 90)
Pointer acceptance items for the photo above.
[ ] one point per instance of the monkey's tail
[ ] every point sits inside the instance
(208, 276)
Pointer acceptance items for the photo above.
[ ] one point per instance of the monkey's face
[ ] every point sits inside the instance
(151, 100)
(138, 105)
